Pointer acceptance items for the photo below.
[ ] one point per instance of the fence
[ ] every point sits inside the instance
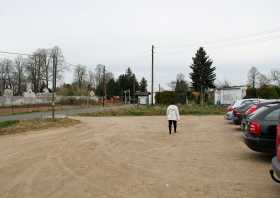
(8, 101)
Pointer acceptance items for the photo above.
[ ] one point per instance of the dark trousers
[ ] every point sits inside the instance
(170, 122)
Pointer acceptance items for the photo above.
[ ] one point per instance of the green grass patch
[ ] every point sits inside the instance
(8, 123)
(160, 111)
(12, 127)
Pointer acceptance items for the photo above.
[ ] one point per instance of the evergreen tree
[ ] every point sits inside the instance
(128, 81)
(203, 74)
(112, 88)
(143, 85)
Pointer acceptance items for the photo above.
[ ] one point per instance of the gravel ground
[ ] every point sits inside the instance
(134, 157)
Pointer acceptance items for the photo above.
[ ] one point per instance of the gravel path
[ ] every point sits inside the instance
(134, 157)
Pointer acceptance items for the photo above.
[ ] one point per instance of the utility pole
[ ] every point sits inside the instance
(129, 98)
(54, 84)
(134, 90)
(159, 88)
(104, 86)
(124, 97)
(152, 88)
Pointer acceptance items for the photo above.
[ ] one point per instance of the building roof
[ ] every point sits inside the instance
(232, 88)
(140, 93)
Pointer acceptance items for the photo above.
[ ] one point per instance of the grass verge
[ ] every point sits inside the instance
(12, 127)
(159, 110)
(7, 123)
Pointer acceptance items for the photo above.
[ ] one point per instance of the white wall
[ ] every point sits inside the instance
(6, 101)
(228, 96)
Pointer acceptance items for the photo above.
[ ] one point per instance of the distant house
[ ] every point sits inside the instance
(142, 97)
(226, 96)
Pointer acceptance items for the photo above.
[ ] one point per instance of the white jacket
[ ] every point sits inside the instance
(172, 113)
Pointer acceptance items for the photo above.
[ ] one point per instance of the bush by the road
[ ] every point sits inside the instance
(11, 127)
(266, 92)
(160, 111)
(167, 97)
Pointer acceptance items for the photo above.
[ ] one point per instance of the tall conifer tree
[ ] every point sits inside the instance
(203, 73)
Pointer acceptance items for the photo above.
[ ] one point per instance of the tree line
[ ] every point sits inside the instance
(102, 82)
(263, 85)
(35, 69)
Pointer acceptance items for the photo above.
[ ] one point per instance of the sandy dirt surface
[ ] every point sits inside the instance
(134, 157)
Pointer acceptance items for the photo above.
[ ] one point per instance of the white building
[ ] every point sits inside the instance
(226, 96)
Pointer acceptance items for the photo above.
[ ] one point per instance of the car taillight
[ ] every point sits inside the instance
(255, 128)
(278, 142)
(252, 109)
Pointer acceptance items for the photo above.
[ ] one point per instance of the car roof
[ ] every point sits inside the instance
(263, 110)
(268, 103)
(273, 105)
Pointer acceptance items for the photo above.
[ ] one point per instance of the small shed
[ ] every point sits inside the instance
(142, 97)
(227, 96)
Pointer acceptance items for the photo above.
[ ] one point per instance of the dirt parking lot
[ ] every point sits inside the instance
(134, 157)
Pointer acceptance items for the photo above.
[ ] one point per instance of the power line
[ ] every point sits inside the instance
(15, 53)
(28, 54)
(259, 35)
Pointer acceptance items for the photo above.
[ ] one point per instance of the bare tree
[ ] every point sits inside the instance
(223, 84)
(46, 67)
(252, 76)
(275, 76)
(109, 76)
(20, 64)
(8, 73)
(180, 77)
(172, 85)
(61, 66)
(91, 79)
(263, 80)
(35, 69)
(2, 77)
(99, 74)
(80, 75)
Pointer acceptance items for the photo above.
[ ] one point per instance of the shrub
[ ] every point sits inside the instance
(251, 92)
(167, 97)
(267, 92)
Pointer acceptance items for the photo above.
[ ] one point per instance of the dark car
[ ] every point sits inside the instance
(251, 111)
(260, 135)
(276, 159)
(239, 112)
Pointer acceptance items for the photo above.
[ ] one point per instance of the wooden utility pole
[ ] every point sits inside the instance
(54, 84)
(152, 88)
(134, 90)
(104, 86)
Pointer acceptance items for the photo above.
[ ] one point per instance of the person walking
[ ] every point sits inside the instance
(173, 116)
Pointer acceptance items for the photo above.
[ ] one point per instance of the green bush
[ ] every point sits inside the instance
(8, 123)
(77, 101)
(251, 92)
(167, 97)
(160, 110)
(267, 92)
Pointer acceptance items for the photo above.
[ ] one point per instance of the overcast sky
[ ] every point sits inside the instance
(237, 34)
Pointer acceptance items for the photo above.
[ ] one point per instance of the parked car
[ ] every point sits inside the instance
(251, 111)
(276, 160)
(260, 135)
(236, 104)
(239, 112)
